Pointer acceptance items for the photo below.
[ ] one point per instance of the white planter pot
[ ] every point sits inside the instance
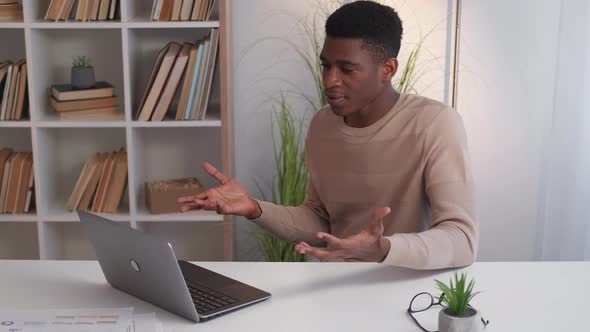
(470, 322)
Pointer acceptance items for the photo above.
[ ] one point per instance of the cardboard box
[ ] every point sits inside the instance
(161, 195)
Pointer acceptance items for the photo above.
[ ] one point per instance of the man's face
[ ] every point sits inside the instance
(351, 76)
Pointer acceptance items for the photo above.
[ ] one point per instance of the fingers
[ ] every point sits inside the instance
(188, 207)
(380, 213)
(376, 224)
(190, 199)
(330, 239)
(215, 173)
(323, 254)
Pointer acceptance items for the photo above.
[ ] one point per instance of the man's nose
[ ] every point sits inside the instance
(331, 78)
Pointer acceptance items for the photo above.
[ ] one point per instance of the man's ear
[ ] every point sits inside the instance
(389, 69)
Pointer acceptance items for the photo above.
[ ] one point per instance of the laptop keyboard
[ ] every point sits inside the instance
(207, 300)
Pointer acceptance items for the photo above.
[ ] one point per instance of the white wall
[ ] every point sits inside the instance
(508, 57)
(507, 67)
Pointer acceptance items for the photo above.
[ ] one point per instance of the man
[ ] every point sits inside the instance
(390, 178)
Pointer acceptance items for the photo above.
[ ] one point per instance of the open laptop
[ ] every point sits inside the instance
(144, 266)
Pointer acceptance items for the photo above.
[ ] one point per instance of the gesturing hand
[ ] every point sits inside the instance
(367, 246)
(230, 197)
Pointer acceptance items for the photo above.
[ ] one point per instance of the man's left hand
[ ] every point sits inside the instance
(367, 246)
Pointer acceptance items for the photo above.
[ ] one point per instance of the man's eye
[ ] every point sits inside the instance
(325, 65)
(345, 70)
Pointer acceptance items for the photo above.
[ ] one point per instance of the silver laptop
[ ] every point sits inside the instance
(144, 266)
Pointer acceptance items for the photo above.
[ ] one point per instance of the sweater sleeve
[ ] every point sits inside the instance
(295, 223)
(452, 238)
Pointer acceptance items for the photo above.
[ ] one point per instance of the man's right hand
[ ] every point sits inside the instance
(230, 197)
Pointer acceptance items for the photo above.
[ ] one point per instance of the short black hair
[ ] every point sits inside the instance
(379, 26)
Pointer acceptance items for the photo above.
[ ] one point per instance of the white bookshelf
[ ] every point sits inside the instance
(123, 52)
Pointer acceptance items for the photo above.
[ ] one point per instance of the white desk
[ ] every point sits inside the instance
(327, 296)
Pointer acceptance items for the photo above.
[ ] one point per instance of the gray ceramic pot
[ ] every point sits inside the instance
(82, 77)
(470, 322)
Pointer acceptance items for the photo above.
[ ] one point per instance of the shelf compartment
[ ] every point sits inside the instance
(62, 155)
(140, 10)
(53, 52)
(36, 10)
(163, 154)
(19, 240)
(144, 46)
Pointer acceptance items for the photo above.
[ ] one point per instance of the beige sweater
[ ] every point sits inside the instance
(414, 160)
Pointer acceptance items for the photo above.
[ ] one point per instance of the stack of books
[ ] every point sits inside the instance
(14, 99)
(182, 10)
(193, 62)
(16, 181)
(98, 101)
(86, 10)
(10, 10)
(101, 183)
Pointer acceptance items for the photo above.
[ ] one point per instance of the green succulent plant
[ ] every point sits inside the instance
(457, 295)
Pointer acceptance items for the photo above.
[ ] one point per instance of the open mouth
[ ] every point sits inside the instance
(335, 100)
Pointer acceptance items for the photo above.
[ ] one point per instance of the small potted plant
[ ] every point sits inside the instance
(458, 315)
(82, 73)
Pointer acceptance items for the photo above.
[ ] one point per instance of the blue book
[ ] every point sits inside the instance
(191, 95)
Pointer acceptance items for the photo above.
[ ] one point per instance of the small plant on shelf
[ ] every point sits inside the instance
(82, 76)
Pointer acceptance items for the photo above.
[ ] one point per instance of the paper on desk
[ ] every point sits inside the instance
(83, 320)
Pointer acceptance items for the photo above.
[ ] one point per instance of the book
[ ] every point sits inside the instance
(211, 64)
(103, 12)
(95, 9)
(210, 10)
(88, 10)
(105, 176)
(192, 112)
(166, 11)
(64, 92)
(196, 79)
(79, 187)
(174, 79)
(176, 10)
(93, 183)
(80, 10)
(65, 14)
(196, 8)
(76, 105)
(185, 12)
(113, 10)
(23, 100)
(117, 183)
(53, 9)
(156, 9)
(23, 183)
(5, 155)
(6, 180)
(30, 196)
(153, 74)
(12, 91)
(13, 179)
(11, 12)
(6, 93)
(159, 81)
(187, 84)
(105, 113)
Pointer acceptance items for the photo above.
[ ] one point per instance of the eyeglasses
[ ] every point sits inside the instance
(424, 301)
